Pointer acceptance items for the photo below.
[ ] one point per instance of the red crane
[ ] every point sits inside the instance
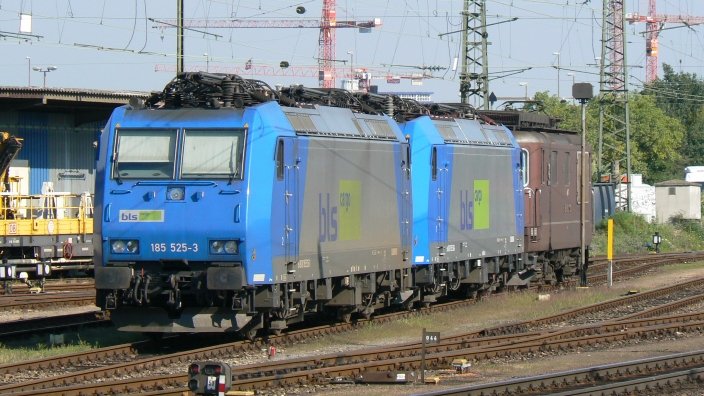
(326, 42)
(653, 25)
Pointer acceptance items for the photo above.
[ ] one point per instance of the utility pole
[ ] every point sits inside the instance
(179, 38)
(474, 77)
(614, 116)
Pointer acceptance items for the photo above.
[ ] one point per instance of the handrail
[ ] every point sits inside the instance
(46, 206)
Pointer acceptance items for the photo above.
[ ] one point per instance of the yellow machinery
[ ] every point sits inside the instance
(40, 234)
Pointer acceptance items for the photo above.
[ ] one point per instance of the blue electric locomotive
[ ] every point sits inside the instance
(248, 215)
(467, 199)
(227, 206)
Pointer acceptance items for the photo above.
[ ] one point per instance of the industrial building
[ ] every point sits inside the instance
(58, 127)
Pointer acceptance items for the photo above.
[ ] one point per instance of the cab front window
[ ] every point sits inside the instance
(144, 154)
(209, 153)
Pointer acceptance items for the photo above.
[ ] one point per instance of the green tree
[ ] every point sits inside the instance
(658, 141)
(656, 138)
(681, 95)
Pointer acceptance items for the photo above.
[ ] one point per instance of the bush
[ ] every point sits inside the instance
(632, 234)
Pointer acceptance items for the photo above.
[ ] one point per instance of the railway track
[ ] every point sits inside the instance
(330, 369)
(73, 284)
(83, 381)
(51, 324)
(43, 300)
(663, 373)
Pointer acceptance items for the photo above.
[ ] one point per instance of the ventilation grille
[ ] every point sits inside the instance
(380, 129)
(301, 122)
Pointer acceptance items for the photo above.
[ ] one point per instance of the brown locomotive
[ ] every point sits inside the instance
(552, 180)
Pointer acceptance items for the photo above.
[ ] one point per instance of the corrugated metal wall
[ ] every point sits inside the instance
(72, 159)
(34, 129)
(57, 151)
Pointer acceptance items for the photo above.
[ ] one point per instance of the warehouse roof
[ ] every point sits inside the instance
(86, 104)
(676, 183)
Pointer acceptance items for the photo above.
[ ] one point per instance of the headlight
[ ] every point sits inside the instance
(231, 247)
(216, 247)
(132, 246)
(175, 193)
(120, 246)
(224, 247)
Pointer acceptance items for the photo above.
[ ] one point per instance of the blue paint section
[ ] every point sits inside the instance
(447, 165)
(423, 136)
(101, 185)
(403, 200)
(517, 183)
(184, 227)
(266, 124)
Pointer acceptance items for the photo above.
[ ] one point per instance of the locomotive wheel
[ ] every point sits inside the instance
(344, 316)
(275, 332)
(250, 334)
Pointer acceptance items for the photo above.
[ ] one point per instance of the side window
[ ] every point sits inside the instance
(542, 167)
(525, 167)
(552, 168)
(280, 159)
(567, 167)
(434, 163)
(408, 159)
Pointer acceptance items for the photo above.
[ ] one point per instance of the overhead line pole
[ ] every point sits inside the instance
(614, 113)
(474, 77)
(179, 38)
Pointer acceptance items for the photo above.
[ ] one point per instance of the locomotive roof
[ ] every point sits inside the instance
(464, 131)
(525, 120)
(334, 121)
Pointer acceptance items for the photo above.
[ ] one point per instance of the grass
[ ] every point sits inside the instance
(632, 234)
(483, 314)
(39, 347)
(39, 351)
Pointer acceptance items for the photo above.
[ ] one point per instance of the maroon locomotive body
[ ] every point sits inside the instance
(552, 186)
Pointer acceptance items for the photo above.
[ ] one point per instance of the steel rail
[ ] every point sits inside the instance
(617, 378)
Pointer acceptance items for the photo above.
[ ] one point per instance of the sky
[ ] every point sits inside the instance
(115, 45)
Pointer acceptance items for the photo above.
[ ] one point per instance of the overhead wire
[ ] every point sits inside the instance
(426, 21)
(134, 26)
(146, 35)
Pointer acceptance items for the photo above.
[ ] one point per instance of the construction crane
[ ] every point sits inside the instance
(653, 25)
(362, 75)
(327, 24)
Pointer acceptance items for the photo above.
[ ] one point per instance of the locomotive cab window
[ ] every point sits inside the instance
(144, 154)
(280, 159)
(552, 168)
(434, 163)
(524, 167)
(213, 153)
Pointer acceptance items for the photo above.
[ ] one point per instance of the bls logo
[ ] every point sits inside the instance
(327, 221)
(141, 216)
(128, 216)
(466, 211)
